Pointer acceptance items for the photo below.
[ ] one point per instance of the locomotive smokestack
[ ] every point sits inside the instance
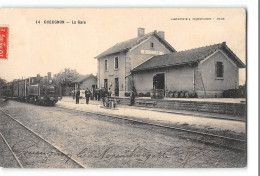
(38, 79)
(45, 80)
(49, 76)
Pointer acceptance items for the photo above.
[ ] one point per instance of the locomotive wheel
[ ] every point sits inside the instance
(37, 102)
(40, 103)
(186, 94)
(175, 94)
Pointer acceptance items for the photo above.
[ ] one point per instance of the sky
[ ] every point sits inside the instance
(41, 48)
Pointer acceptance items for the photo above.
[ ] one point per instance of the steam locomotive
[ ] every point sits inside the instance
(38, 90)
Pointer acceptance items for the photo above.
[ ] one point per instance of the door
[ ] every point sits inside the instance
(116, 87)
(159, 81)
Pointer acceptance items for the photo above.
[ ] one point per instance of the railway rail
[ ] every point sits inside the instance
(69, 158)
(9, 147)
(204, 137)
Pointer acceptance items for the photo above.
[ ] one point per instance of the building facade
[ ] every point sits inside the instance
(116, 63)
(207, 71)
(150, 62)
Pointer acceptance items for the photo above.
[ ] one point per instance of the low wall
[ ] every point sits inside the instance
(201, 106)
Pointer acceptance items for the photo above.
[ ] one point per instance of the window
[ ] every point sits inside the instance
(105, 83)
(151, 45)
(105, 64)
(219, 69)
(116, 62)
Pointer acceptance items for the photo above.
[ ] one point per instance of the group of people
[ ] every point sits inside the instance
(97, 94)
(87, 95)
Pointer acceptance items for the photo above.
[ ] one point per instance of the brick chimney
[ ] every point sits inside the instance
(140, 32)
(161, 34)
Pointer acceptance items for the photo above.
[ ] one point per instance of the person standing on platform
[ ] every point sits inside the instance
(77, 96)
(98, 94)
(87, 95)
(132, 98)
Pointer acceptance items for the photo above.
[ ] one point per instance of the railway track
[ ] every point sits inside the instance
(204, 137)
(67, 156)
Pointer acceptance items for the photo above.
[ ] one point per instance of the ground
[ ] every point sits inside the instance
(101, 142)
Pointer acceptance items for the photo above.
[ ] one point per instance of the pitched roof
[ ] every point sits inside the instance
(187, 57)
(126, 45)
(83, 78)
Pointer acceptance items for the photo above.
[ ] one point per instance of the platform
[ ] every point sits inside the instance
(195, 121)
(230, 106)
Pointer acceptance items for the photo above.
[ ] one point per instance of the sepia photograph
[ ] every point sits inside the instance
(123, 88)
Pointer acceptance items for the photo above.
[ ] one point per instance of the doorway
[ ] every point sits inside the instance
(116, 87)
(159, 81)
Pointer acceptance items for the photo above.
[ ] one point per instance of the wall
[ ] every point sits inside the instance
(136, 57)
(180, 78)
(111, 73)
(176, 78)
(238, 110)
(126, 62)
(143, 81)
(88, 83)
(208, 74)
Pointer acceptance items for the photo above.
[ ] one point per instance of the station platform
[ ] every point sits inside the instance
(219, 124)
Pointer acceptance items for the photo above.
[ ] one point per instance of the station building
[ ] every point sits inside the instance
(150, 62)
(115, 64)
(208, 71)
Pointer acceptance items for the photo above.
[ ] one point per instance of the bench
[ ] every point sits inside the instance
(139, 102)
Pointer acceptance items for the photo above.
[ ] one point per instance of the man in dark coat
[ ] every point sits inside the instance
(77, 96)
(87, 95)
(132, 98)
(98, 94)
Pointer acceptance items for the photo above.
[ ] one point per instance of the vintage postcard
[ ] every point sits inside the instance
(123, 88)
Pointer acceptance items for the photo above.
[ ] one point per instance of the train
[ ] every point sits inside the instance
(38, 90)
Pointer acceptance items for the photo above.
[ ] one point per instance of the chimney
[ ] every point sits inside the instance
(161, 34)
(140, 32)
